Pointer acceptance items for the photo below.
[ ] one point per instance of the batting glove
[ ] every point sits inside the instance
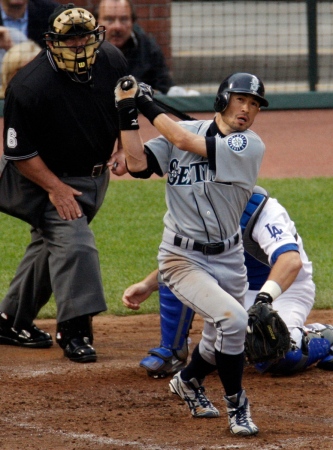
(125, 92)
(126, 87)
(145, 102)
(145, 90)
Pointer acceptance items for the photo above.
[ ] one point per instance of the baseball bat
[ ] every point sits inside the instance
(128, 84)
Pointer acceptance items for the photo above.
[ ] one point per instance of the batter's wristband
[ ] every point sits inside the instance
(128, 114)
(148, 108)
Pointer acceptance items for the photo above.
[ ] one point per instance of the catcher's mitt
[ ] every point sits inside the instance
(267, 337)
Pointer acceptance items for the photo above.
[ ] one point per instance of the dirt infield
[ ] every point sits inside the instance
(50, 403)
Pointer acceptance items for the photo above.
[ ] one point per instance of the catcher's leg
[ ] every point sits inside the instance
(175, 321)
(315, 347)
(326, 363)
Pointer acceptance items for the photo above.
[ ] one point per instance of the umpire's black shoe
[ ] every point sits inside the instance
(79, 350)
(31, 337)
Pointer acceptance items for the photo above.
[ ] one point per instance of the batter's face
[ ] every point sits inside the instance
(116, 16)
(239, 114)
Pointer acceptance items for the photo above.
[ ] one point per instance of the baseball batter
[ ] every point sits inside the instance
(272, 248)
(212, 167)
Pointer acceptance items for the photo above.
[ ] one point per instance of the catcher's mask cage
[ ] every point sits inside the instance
(65, 25)
(240, 83)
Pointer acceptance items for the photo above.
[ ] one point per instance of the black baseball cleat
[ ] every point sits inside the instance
(79, 350)
(31, 337)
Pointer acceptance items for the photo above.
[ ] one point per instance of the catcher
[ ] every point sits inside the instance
(274, 252)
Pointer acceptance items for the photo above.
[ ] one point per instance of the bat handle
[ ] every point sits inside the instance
(126, 85)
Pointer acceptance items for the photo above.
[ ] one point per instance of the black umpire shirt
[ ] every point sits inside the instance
(71, 126)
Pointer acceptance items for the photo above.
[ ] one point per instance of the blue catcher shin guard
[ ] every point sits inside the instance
(175, 321)
(326, 363)
(314, 348)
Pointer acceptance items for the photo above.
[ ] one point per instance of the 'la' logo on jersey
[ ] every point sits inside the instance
(274, 232)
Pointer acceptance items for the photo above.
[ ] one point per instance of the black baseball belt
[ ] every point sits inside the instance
(96, 171)
(207, 248)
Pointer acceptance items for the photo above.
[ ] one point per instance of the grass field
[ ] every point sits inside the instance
(129, 226)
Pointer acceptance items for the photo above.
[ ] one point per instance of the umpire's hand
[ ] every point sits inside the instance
(63, 198)
(61, 195)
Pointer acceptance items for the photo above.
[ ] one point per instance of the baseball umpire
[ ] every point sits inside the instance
(212, 167)
(60, 128)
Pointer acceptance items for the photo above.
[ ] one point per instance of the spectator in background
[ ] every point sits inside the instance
(145, 58)
(21, 20)
(30, 17)
(8, 38)
(17, 56)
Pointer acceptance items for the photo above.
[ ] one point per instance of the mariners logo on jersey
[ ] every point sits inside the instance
(237, 142)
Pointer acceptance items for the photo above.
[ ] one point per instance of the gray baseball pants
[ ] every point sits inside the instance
(61, 258)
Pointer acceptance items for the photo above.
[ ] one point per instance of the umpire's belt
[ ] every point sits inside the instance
(96, 171)
(206, 248)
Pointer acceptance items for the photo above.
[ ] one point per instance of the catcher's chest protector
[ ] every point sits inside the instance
(248, 220)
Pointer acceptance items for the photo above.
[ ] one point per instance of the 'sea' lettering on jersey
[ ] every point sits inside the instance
(274, 232)
(11, 138)
(237, 142)
(181, 175)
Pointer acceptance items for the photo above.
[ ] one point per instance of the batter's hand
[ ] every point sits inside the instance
(127, 87)
(117, 163)
(144, 90)
(63, 199)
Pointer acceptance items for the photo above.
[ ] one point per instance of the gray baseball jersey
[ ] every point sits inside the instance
(205, 199)
(206, 196)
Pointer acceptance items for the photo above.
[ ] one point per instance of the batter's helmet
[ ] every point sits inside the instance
(66, 23)
(241, 83)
